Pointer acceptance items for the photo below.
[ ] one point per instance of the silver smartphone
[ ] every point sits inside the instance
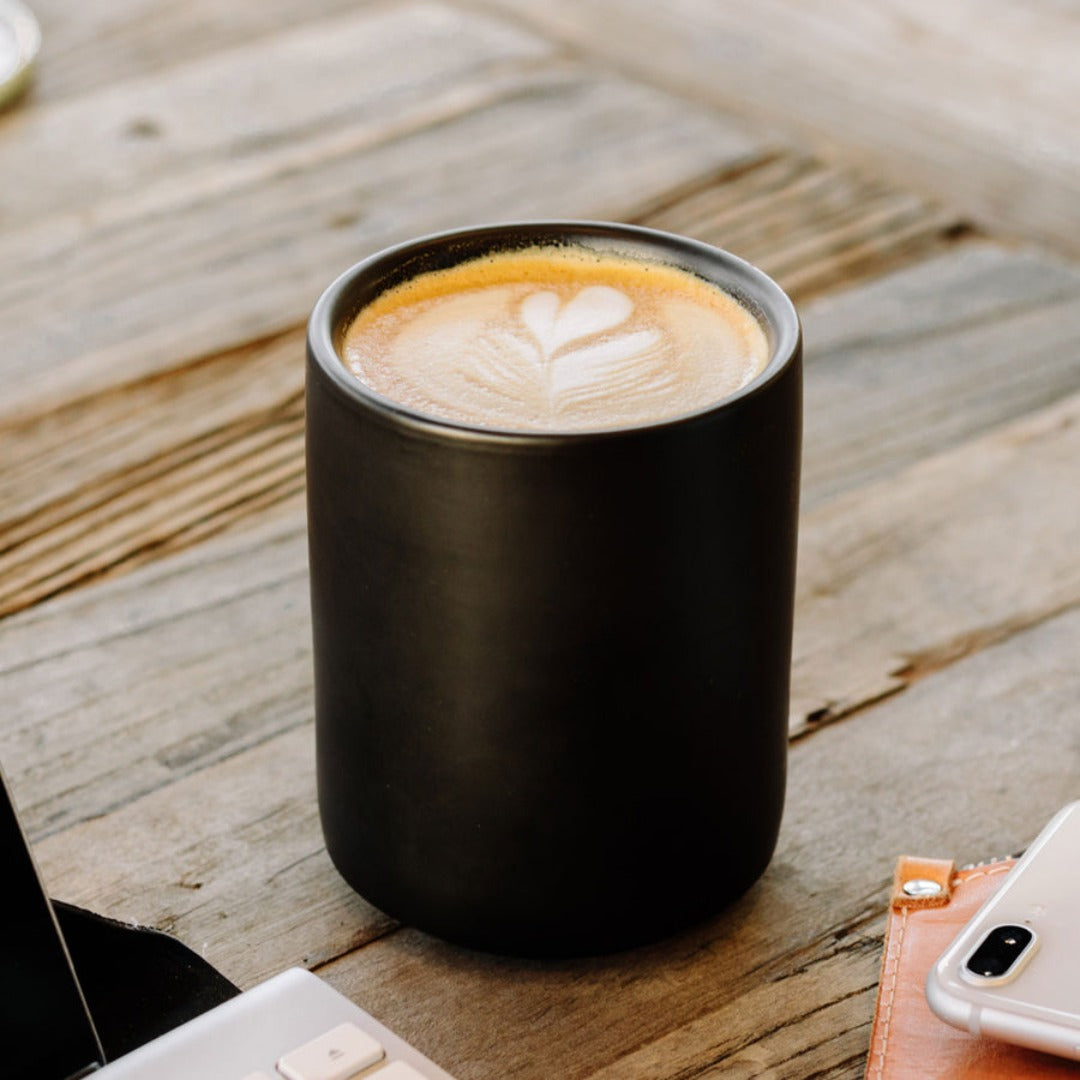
(1013, 972)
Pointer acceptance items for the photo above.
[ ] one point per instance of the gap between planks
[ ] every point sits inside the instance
(783, 983)
(783, 978)
(873, 610)
(811, 225)
(942, 97)
(200, 259)
(198, 656)
(858, 797)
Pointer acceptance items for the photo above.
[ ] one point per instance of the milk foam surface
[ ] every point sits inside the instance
(555, 339)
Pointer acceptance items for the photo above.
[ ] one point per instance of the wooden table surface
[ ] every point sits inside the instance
(177, 189)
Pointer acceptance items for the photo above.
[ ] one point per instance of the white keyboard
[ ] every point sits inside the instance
(291, 1027)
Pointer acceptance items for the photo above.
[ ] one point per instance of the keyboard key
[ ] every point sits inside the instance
(337, 1055)
(397, 1070)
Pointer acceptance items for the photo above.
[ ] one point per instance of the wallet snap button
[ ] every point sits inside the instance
(921, 887)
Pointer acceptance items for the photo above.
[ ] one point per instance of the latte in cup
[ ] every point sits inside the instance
(552, 478)
(556, 339)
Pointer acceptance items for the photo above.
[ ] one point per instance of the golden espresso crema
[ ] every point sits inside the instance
(555, 339)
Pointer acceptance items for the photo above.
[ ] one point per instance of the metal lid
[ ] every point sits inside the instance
(20, 39)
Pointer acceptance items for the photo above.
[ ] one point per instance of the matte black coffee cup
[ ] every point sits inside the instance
(551, 670)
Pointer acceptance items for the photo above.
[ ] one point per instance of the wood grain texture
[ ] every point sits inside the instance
(897, 369)
(237, 111)
(977, 102)
(197, 854)
(781, 984)
(928, 357)
(888, 588)
(238, 248)
(101, 483)
(192, 658)
(92, 45)
(165, 727)
(105, 483)
(811, 225)
(969, 763)
(956, 552)
(184, 180)
(196, 656)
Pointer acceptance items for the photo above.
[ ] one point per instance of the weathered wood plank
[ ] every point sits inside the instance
(813, 1022)
(192, 858)
(976, 101)
(928, 357)
(242, 109)
(996, 735)
(871, 616)
(89, 45)
(811, 225)
(184, 269)
(120, 689)
(197, 656)
(896, 370)
(780, 984)
(90, 464)
(72, 460)
(209, 446)
(153, 697)
(960, 550)
(888, 589)
(158, 728)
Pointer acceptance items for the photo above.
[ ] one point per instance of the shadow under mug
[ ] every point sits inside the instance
(551, 670)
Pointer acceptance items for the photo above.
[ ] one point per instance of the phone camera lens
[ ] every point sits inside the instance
(989, 967)
(998, 951)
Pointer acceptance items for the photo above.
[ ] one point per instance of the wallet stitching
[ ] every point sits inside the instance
(986, 871)
(891, 976)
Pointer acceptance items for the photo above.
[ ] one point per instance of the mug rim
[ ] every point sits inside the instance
(345, 296)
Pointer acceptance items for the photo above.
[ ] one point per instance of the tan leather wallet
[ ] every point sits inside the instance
(931, 902)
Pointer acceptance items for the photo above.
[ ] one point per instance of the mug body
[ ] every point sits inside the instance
(551, 669)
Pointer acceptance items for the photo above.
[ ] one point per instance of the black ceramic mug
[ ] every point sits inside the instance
(551, 670)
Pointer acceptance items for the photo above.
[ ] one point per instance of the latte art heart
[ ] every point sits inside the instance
(566, 351)
(546, 341)
(594, 309)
